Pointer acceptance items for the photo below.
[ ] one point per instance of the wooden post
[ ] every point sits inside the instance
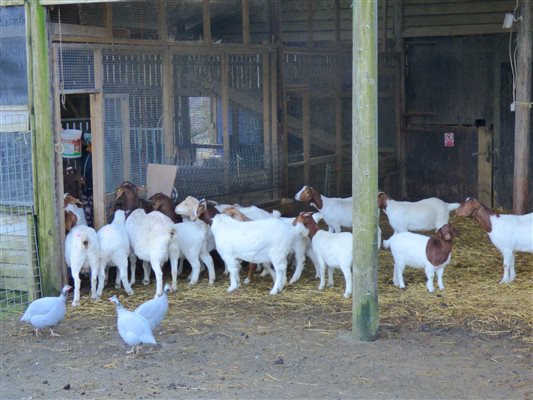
(364, 170)
(306, 132)
(266, 111)
(224, 68)
(97, 127)
(168, 106)
(523, 110)
(44, 152)
(245, 21)
(206, 21)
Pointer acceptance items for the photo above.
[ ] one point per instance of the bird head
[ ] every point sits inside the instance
(114, 299)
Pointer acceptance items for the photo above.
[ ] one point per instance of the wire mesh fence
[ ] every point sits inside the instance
(19, 265)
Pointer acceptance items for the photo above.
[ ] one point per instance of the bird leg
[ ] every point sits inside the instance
(36, 332)
(53, 334)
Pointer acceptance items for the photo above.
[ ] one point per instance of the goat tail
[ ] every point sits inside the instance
(453, 206)
(386, 244)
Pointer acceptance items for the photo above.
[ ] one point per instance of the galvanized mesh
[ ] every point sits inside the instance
(19, 267)
(76, 68)
(184, 20)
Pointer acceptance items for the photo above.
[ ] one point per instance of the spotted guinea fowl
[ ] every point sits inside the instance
(47, 311)
(155, 310)
(133, 328)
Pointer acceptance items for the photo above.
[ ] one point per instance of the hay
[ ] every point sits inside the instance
(473, 300)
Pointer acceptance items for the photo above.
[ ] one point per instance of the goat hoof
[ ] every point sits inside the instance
(130, 293)
(146, 282)
(247, 281)
(347, 295)
(75, 303)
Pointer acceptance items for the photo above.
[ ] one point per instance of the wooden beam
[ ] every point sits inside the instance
(44, 156)
(206, 19)
(484, 166)
(168, 105)
(306, 131)
(310, 21)
(274, 147)
(266, 111)
(364, 170)
(97, 127)
(245, 21)
(225, 111)
(126, 144)
(523, 110)
(59, 160)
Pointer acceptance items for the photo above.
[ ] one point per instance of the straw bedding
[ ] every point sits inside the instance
(473, 301)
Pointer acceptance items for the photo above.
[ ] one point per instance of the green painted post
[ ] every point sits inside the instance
(44, 186)
(364, 170)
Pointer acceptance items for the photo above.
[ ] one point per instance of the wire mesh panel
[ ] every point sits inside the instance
(133, 135)
(184, 20)
(76, 68)
(19, 268)
(135, 20)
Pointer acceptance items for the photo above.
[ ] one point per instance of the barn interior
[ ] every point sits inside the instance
(252, 99)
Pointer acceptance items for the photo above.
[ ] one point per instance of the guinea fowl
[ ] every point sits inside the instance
(47, 312)
(133, 328)
(155, 310)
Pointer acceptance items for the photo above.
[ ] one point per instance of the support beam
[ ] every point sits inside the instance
(44, 154)
(364, 170)
(523, 110)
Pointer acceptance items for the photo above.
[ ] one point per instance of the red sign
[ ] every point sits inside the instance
(449, 140)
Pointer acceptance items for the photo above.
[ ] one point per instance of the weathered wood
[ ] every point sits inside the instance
(484, 166)
(206, 19)
(78, 30)
(245, 6)
(364, 170)
(43, 149)
(168, 106)
(523, 110)
(126, 148)
(306, 131)
(274, 148)
(266, 111)
(97, 127)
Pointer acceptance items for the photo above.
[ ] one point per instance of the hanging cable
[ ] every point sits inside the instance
(512, 57)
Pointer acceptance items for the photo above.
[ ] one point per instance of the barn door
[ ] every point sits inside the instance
(442, 161)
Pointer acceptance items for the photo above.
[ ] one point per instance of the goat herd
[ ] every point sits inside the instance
(194, 228)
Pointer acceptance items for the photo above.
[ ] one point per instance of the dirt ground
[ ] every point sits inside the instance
(231, 346)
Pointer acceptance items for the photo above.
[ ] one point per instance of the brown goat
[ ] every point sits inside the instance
(162, 203)
(72, 181)
(71, 220)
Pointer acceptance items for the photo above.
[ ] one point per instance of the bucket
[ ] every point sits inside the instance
(71, 141)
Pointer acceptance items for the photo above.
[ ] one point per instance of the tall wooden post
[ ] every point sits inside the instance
(364, 170)
(523, 110)
(44, 154)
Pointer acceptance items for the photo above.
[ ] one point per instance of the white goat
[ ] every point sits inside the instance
(152, 238)
(423, 215)
(261, 241)
(432, 254)
(336, 211)
(508, 233)
(76, 206)
(192, 239)
(82, 253)
(332, 250)
(115, 249)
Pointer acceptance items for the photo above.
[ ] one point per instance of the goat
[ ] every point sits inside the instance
(260, 241)
(72, 181)
(76, 206)
(337, 212)
(82, 251)
(423, 215)
(420, 251)
(508, 233)
(333, 250)
(115, 249)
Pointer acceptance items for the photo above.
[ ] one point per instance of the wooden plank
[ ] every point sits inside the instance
(44, 159)
(338, 126)
(470, 8)
(456, 19)
(126, 148)
(63, 2)
(78, 30)
(6, 3)
(206, 19)
(266, 111)
(452, 30)
(364, 171)
(245, 6)
(310, 23)
(523, 105)
(274, 148)
(168, 105)
(13, 242)
(225, 114)
(306, 125)
(97, 127)
(484, 166)
(12, 256)
(162, 29)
